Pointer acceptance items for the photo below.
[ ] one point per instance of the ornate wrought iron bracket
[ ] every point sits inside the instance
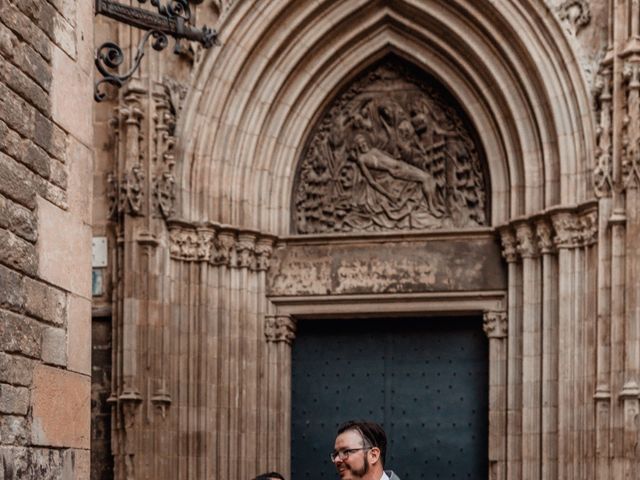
(173, 19)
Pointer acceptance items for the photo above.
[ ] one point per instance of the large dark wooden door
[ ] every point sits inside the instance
(424, 380)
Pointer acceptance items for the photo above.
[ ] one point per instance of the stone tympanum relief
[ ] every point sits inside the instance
(391, 153)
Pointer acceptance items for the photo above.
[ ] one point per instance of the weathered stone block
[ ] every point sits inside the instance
(65, 37)
(45, 302)
(60, 403)
(10, 142)
(54, 346)
(32, 63)
(84, 22)
(49, 136)
(24, 151)
(20, 334)
(69, 91)
(16, 112)
(59, 174)
(55, 255)
(17, 182)
(14, 430)
(31, 463)
(76, 464)
(18, 219)
(12, 296)
(14, 400)
(24, 86)
(80, 165)
(67, 9)
(16, 370)
(388, 264)
(79, 335)
(24, 27)
(18, 253)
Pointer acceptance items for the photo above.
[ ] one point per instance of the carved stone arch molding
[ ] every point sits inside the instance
(255, 100)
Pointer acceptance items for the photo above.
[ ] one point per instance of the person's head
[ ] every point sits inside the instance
(269, 476)
(362, 146)
(359, 451)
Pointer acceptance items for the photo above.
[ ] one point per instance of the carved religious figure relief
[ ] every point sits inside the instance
(392, 153)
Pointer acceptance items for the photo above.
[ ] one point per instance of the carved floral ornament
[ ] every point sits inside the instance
(392, 152)
(220, 245)
(575, 14)
(128, 192)
(280, 328)
(603, 170)
(495, 324)
(529, 238)
(631, 128)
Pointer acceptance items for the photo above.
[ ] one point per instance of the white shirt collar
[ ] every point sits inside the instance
(384, 476)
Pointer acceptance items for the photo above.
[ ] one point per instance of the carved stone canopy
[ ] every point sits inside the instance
(392, 152)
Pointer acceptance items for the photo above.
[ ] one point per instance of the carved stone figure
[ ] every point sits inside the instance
(392, 153)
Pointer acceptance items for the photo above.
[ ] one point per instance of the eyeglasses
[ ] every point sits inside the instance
(344, 454)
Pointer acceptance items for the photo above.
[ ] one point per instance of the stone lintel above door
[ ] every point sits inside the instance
(426, 262)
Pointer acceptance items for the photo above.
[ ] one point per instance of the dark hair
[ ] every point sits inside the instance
(269, 476)
(372, 434)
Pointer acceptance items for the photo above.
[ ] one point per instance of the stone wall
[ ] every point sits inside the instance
(46, 161)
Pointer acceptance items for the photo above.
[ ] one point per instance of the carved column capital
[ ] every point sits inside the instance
(495, 324)
(509, 245)
(245, 250)
(526, 241)
(226, 246)
(184, 243)
(131, 112)
(280, 328)
(544, 236)
(264, 250)
(206, 243)
(568, 232)
(589, 227)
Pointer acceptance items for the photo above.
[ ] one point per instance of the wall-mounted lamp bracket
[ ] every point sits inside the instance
(173, 19)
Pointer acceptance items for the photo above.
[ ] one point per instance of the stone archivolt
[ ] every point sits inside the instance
(391, 153)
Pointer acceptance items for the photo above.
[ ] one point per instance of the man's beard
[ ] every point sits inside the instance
(361, 472)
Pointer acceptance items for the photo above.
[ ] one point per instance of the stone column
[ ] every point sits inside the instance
(630, 393)
(531, 350)
(603, 186)
(280, 332)
(565, 225)
(514, 359)
(496, 326)
(544, 235)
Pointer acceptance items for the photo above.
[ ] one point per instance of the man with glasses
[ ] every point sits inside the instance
(360, 450)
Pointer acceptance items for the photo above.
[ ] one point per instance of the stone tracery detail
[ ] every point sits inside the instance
(390, 154)
(631, 133)
(603, 171)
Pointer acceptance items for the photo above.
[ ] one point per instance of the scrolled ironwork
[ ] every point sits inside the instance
(173, 19)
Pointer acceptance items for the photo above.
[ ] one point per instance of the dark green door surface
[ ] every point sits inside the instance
(424, 380)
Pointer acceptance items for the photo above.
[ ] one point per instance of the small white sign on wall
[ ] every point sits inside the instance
(99, 252)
